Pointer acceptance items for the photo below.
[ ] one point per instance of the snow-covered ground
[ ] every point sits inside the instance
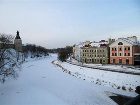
(42, 83)
(121, 68)
(116, 80)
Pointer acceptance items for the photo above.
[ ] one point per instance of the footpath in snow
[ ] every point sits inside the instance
(42, 83)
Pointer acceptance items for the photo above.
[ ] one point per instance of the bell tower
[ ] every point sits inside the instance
(18, 43)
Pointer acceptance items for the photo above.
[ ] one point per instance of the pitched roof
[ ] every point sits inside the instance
(132, 42)
(93, 44)
(128, 40)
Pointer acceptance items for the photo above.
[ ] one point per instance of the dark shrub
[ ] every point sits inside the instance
(137, 89)
(123, 88)
(118, 87)
(62, 55)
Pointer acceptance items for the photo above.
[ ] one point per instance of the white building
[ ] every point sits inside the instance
(77, 51)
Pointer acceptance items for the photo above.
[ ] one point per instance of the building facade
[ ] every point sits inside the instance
(122, 51)
(77, 52)
(92, 52)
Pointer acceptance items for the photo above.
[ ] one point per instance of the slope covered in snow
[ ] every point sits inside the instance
(122, 81)
(42, 83)
(108, 67)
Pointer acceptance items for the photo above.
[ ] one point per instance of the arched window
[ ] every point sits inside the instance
(120, 43)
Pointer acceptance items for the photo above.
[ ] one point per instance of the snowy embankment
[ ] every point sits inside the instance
(108, 67)
(9, 64)
(42, 83)
(126, 82)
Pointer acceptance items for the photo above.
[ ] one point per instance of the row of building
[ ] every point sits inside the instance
(121, 51)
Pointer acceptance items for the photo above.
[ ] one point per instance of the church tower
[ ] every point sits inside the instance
(18, 43)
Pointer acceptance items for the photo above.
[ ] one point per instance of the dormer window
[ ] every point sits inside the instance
(120, 43)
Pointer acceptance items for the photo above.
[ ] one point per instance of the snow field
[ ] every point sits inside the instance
(42, 83)
(115, 80)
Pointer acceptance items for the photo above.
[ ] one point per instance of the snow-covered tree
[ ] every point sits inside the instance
(7, 57)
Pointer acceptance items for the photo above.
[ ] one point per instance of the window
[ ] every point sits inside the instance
(120, 49)
(128, 54)
(124, 54)
(112, 54)
(112, 49)
(120, 54)
(128, 48)
(101, 61)
(125, 48)
(115, 54)
(120, 43)
(115, 49)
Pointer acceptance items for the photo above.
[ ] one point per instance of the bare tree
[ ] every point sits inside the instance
(6, 61)
(10, 58)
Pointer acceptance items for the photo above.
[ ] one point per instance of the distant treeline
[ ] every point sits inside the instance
(34, 50)
(57, 50)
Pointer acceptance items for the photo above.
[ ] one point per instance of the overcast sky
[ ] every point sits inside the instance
(57, 23)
